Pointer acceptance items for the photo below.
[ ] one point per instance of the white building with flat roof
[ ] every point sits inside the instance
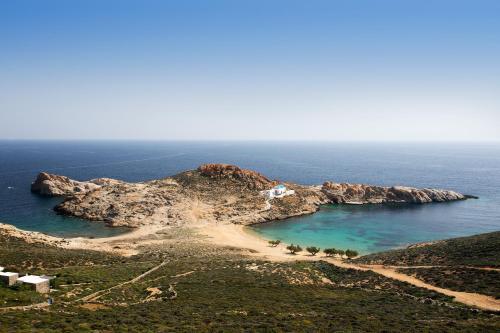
(8, 278)
(279, 191)
(40, 284)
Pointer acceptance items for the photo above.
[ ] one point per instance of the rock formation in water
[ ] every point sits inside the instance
(212, 193)
(55, 185)
(361, 194)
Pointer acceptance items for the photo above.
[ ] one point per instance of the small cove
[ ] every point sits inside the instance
(466, 168)
(373, 228)
(46, 220)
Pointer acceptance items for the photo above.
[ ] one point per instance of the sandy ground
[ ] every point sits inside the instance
(228, 234)
(239, 236)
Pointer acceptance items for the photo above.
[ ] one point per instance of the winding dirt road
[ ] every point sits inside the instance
(94, 296)
(233, 235)
(472, 299)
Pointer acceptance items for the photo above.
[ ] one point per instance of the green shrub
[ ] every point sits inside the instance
(274, 243)
(351, 253)
(294, 248)
(330, 252)
(313, 250)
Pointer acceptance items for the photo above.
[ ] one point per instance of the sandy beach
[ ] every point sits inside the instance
(236, 236)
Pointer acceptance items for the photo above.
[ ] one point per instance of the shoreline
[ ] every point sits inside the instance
(239, 237)
(127, 244)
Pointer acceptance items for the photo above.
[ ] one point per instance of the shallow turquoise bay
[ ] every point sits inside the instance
(373, 228)
(466, 168)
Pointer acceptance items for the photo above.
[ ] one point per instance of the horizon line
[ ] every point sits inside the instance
(240, 140)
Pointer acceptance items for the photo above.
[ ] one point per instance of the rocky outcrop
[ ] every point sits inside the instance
(361, 194)
(212, 193)
(252, 179)
(125, 204)
(55, 185)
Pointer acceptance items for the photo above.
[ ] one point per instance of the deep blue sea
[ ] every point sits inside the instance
(464, 167)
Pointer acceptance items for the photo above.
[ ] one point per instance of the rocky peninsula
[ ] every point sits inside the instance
(213, 193)
(204, 211)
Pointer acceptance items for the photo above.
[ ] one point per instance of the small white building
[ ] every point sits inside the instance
(8, 278)
(279, 191)
(38, 283)
(1, 268)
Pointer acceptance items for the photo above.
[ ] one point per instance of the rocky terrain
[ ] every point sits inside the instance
(212, 193)
(361, 194)
(54, 185)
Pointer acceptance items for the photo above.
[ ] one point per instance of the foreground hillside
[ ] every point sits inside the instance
(478, 250)
(470, 264)
(183, 285)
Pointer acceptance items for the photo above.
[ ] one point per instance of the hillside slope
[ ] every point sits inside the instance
(479, 250)
(184, 286)
(468, 264)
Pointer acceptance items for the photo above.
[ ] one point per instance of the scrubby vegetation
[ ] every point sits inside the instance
(333, 251)
(460, 279)
(453, 264)
(19, 256)
(478, 250)
(202, 288)
(313, 250)
(274, 243)
(18, 295)
(294, 248)
(351, 278)
(330, 252)
(351, 253)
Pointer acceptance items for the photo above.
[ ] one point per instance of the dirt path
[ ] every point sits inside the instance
(94, 296)
(472, 299)
(237, 236)
(234, 235)
(25, 307)
(444, 266)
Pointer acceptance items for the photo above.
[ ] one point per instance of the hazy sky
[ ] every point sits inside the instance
(250, 69)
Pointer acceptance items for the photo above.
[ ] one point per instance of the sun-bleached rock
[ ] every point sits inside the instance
(54, 185)
(361, 194)
(212, 193)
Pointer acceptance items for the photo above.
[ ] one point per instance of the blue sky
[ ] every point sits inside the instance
(250, 70)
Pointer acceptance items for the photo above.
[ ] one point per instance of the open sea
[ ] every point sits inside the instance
(464, 167)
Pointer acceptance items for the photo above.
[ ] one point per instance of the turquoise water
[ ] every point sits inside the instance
(41, 217)
(373, 228)
(463, 167)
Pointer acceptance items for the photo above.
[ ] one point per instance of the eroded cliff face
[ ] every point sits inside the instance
(212, 193)
(361, 194)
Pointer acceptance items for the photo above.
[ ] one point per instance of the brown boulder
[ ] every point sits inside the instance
(252, 179)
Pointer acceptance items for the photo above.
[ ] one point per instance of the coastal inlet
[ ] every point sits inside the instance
(222, 193)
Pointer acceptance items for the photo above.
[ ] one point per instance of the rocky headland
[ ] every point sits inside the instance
(54, 185)
(213, 193)
(367, 194)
